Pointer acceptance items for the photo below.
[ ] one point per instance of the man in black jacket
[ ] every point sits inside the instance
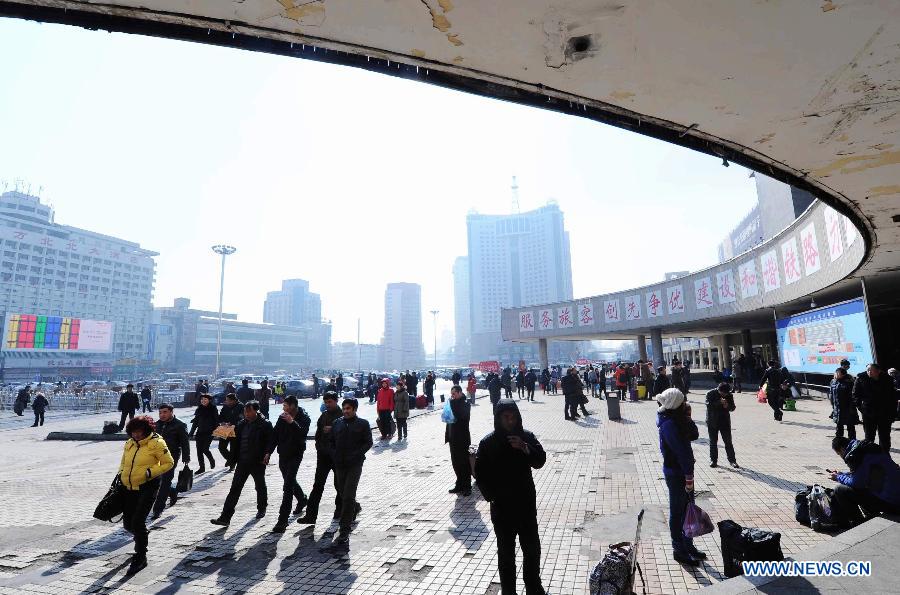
(324, 463)
(351, 438)
(457, 436)
(719, 405)
(174, 432)
(503, 467)
(495, 386)
(232, 413)
(661, 382)
(263, 396)
(876, 399)
(146, 397)
(572, 393)
(290, 439)
(456, 377)
(128, 404)
(412, 384)
(245, 393)
(773, 380)
(253, 438)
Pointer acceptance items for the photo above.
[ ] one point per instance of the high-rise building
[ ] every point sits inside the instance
(296, 305)
(61, 274)
(462, 320)
(352, 356)
(402, 345)
(515, 260)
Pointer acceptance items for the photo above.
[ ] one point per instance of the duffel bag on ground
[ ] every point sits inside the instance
(614, 574)
(421, 402)
(822, 515)
(747, 545)
(110, 427)
(801, 506)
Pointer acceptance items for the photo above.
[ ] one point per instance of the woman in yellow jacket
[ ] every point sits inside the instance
(145, 458)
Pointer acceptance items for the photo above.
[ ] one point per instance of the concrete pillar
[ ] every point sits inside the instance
(545, 358)
(746, 343)
(725, 355)
(656, 342)
(642, 347)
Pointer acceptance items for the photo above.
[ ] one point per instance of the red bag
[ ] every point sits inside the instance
(761, 396)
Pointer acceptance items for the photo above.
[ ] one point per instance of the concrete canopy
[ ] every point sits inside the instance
(808, 92)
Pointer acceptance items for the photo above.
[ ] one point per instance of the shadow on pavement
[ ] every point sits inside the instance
(469, 527)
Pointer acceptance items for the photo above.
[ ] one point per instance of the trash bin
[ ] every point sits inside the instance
(612, 407)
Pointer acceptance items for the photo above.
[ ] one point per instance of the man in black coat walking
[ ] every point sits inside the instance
(494, 386)
(351, 438)
(290, 440)
(232, 413)
(503, 467)
(572, 393)
(457, 436)
(174, 432)
(128, 404)
(719, 405)
(245, 393)
(253, 437)
(146, 397)
(773, 380)
(876, 399)
(324, 463)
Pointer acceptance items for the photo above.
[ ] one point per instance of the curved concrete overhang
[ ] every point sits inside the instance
(806, 92)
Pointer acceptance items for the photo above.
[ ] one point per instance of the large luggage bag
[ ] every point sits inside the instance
(612, 407)
(614, 574)
(741, 544)
(421, 402)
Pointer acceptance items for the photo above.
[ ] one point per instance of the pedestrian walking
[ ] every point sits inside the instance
(774, 382)
(495, 387)
(456, 377)
(289, 438)
(175, 434)
(263, 395)
(647, 378)
(840, 393)
(128, 405)
(39, 406)
(412, 383)
(592, 380)
(456, 434)
(520, 384)
(144, 459)
(530, 381)
(621, 378)
(23, 397)
(232, 413)
(385, 407)
(876, 398)
(401, 411)
(351, 438)
(206, 419)
(503, 467)
(245, 393)
(737, 373)
(324, 462)
(471, 388)
(572, 393)
(253, 438)
(316, 387)
(428, 387)
(146, 397)
(661, 382)
(719, 405)
(676, 432)
(554, 381)
(545, 381)
(506, 379)
(679, 377)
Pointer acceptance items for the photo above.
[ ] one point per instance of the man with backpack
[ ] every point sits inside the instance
(872, 484)
(290, 440)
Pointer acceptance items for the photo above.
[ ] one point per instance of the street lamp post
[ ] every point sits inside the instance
(224, 250)
(434, 314)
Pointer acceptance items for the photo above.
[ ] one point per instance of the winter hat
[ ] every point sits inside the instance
(670, 399)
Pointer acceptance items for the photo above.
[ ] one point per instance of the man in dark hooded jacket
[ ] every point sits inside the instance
(495, 387)
(503, 467)
(876, 399)
(457, 436)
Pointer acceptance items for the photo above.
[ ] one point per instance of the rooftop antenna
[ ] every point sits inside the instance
(515, 196)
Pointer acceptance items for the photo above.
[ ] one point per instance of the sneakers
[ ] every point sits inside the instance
(280, 527)
(735, 465)
(222, 522)
(138, 563)
(300, 506)
(714, 464)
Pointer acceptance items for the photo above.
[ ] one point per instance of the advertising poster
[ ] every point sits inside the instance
(39, 333)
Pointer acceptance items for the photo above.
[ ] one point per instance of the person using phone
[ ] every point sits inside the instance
(719, 405)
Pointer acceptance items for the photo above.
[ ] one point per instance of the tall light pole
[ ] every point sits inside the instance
(224, 250)
(434, 314)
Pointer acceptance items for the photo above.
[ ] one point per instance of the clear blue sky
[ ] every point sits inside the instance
(343, 177)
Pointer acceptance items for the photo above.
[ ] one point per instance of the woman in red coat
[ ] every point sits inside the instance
(385, 406)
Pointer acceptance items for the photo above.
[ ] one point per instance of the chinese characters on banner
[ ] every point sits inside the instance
(849, 231)
(809, 249)
(791, 259)
(565, 317)
(675, 297)
(633, 307)
(771, 276)
(833, 233)
(703, 293)
(545, 319)
(611, 311)
(654, 304)
(748, 279)
(526, 322)
(725, 286)
(585, 314)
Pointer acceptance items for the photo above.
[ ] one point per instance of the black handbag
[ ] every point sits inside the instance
(112, 505)
(185, 479)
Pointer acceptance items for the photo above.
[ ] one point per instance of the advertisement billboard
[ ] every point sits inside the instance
(44, 334)
(817, 340)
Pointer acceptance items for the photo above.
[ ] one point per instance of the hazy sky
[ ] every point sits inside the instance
(343, 177)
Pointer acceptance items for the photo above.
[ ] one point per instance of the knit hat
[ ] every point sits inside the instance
(670, 399)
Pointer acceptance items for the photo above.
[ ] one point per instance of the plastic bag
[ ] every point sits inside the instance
(794, 392)
(696, 522)
(447, 414)
(761, 395)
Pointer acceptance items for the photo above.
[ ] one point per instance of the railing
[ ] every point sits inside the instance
(86, 401)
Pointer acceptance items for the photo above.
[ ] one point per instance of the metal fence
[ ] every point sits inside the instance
(92, 400)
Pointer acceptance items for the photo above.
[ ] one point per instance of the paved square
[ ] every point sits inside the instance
(413, 537)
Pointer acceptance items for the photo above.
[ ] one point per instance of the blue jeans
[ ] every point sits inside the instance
(678, 501)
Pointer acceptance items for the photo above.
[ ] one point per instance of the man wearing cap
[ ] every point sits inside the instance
(128, 404)
(350, 439)
(719, 405)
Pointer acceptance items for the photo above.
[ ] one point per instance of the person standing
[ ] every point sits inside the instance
(144, 459)
(385, 406)
(457, 435)
(39, 407)
(456, 378)
(206, 419)
(647, 378)
(401, 411)
(495, 387)
(128, 404)
(592, 380)
(572, 393)
(428, 387)
(290, 440)
(876, 398)
(545, 380)
(530, 381)
(520, 384)
(175, 434)
(245, 393)
(773, 381)
(554, 381)
(676, 432)
(324, 463)
(412, 384)
(471, 388)
(661, 382)
(339, 382)
(146, 397)
(23, 397)
(737, 372)
(506, 379)
(351, 438)
(719, 405)
(621, 376)
(253, 437)
(503, 467)
(316, 387)
(232, 413)
(840, 393)
(263, 396)
(679, 377)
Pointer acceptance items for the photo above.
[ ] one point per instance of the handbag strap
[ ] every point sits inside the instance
(643, 584)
